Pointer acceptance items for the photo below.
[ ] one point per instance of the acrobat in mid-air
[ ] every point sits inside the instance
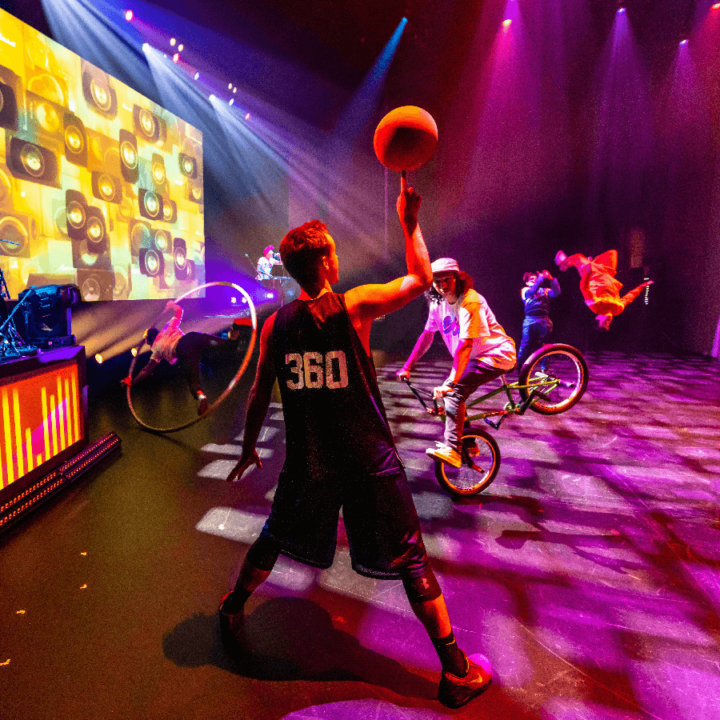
(598, 284)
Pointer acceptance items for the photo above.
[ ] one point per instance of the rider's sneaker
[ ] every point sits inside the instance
(540, 375)
(457, 691)
(445, 454)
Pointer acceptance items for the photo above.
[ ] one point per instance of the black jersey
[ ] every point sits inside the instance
(334, 416)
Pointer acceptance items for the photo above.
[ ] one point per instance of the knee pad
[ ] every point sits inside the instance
(263, 553)
(423, 587)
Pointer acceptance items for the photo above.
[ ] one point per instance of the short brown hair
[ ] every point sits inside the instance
(302, 248)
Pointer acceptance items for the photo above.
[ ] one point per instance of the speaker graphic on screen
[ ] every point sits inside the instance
(75, 140)
(169, 210)
(151, 258)
(106, 187)
(148, 126)
(32, 162)
(129, 165)
(151, 205)
(188, 166)
(158, 173)
(9, 86)
(139, 235)
(95, 284)
(45, 120)
(195, 193)
(88, 231)
(184, 268)
(98, 92)
(18, 229)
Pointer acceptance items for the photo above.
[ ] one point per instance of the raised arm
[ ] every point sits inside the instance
(367, 302)
(258, 403)
(554, 285)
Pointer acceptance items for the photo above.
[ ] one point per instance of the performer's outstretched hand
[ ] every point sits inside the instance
(243, 464)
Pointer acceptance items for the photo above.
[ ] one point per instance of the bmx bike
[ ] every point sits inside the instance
(552, 380)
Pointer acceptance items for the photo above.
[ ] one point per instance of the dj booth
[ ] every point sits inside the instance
(44, 441)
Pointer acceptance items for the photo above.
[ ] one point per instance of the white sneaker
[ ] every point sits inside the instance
(445, 454)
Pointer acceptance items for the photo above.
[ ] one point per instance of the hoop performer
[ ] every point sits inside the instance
(172, 344)
(340, 451)
(598, 284)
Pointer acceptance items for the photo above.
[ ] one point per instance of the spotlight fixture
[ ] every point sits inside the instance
(716, 6)
(233, 300)
(129, 15)
(247, 116)
(234, 90)
(133, 351)
(232, 101)
(176, 57)
(269, 296)
(684, 42)
(229, 86)
(621, 11)
(98, 358)
(212, 98)
(197, 75)
(180, 47)
(172, 42)
(507, 23)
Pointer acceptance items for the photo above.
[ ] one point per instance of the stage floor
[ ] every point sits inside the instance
(589, 572)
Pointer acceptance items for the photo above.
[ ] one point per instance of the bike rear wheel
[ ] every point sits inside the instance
(480, 465)
(562, 363)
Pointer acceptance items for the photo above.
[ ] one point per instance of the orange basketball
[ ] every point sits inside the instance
(406, 138)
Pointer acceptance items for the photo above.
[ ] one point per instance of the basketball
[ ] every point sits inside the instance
(406, 138)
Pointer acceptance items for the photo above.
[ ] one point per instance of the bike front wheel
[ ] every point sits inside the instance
(556, 376)
(480, 465)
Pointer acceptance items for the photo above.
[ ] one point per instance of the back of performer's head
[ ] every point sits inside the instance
(150, 335)
(302, 249)
(528, 275)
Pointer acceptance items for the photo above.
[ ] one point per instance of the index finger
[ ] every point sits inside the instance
(403, 181)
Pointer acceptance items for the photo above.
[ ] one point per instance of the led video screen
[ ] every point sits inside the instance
(99, 186)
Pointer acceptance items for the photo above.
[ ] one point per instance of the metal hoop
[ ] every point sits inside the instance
(231, 384)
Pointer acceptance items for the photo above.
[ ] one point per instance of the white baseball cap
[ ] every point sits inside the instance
(445, 265)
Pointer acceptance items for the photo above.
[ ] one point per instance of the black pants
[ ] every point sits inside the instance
(190, 351)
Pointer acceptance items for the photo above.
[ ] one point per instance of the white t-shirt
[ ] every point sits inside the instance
(470, 318)
(167, 339)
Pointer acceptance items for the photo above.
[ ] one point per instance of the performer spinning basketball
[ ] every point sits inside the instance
(598, 284)
(340, 451)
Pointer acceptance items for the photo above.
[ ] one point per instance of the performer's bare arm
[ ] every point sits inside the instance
(258, 403)
(367, 302)
(421, 347)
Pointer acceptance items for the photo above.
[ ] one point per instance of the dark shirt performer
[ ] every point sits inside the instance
(537, 325)
(340, 451)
